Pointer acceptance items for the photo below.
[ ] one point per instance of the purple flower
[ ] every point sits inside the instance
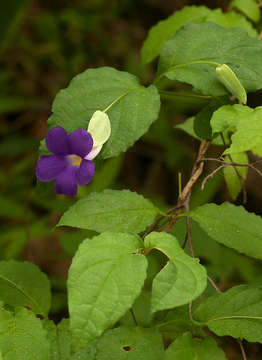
(70, 165)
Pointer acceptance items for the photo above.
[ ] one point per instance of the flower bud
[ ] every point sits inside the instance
(99, 127)
(229, 79)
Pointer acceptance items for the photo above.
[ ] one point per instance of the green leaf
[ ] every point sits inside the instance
(228, 116)
(182, 280)
(105, 278)
(130, 343)
(248, 7)
(232, 19)
(237, 312)
(111, 210)
(23, 284)
(187, 348)
(176, 322)
(59, 339)
(248, 134)
(192, 57)
(141, 311)
(22, 336)
(188, 127)
(231, 226)
(235, 176)
(166, 29)
(130, 106)
(202, 120)
(220, 261)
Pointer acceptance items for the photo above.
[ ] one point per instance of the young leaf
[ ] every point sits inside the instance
(231, 226)
(22, 336)
(130, 343)
(182, 279)
(248, 7)
(237, 312)
(235, 176)
(187, 348)
(130, 106)
(228, 116)
(248, 133)
(23, 284)
(111, 210)
(166, 29)
(59, 338)
(106, 276)
(188, 127)
(197, 49)
(231, 19)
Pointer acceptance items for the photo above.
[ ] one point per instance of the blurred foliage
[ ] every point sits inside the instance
(43, 44)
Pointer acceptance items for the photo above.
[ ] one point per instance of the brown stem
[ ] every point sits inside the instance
(211, 175)
(133, 316)
(184, 197)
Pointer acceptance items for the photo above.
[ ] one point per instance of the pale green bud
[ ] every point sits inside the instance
(99, 127)
(229, 79)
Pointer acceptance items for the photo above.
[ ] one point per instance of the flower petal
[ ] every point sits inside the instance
(85, 172)
(49, 166)
(94, 152)
(57, 141)
(66, 181)
(99, 127)
(80, 142)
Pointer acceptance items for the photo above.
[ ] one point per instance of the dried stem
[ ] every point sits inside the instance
(251, 166)
(211, 175)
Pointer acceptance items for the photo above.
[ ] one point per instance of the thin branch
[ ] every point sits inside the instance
(211, 175)
(244, 356)
(133, 316)
(196, 172)
(213, 284)
(251, 166)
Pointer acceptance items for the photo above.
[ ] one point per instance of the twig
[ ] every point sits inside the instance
(196, 171)
(211, 175)
(190, 311)
(244, 356)
(133, 316)
(213, 284)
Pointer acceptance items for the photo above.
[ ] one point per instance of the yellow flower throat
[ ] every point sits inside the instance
(74, 160)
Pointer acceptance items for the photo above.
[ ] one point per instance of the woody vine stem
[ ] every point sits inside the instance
(183, 203)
